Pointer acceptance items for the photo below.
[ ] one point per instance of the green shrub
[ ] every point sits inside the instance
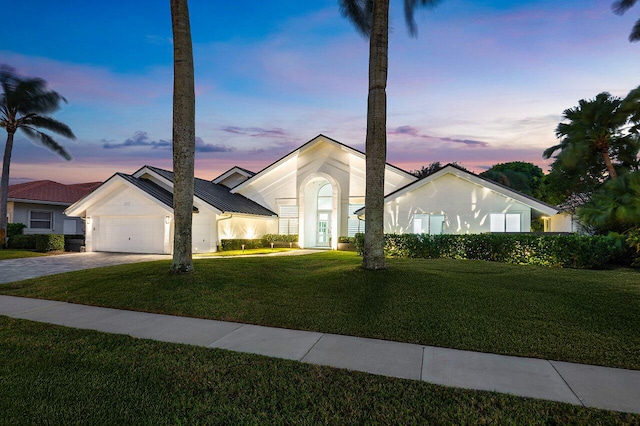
(567, 251)
(49, 242)
(279, 238)
(27, 242)
(347, 240)
(236, 244)
(14, 229)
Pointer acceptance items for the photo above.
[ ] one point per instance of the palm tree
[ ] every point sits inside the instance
(620, 7)
(592, 134)
(615, 206)
(184, 136)
(25, 105)
(371, 18)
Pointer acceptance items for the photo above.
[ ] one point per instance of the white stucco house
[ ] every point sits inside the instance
(317, 191)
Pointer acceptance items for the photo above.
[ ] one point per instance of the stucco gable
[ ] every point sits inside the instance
(320, 143)
(472, 179)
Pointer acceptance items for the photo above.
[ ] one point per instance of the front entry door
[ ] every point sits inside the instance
(324, 229)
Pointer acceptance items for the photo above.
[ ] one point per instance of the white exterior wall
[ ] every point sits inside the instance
(465, 205)
(123, 201)
(562, 222)
(245, 226)
(297, 179)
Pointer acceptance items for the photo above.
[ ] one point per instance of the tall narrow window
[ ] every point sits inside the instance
(288, 220)
(355, 225)
(325, 197)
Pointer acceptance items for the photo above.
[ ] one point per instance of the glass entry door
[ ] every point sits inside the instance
(324, 229)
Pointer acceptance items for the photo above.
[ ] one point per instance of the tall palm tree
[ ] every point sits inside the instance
(620, 7)
(593, 131)
(25, 105)
(184, 137)
(371, 18)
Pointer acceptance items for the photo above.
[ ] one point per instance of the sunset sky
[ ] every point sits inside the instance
(484, 82)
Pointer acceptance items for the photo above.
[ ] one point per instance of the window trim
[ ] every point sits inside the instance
(504, 221)
(51, 219)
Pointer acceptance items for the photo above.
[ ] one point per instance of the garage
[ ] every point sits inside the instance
(129, 234)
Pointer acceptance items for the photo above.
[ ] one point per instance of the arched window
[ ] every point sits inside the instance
(325, 197)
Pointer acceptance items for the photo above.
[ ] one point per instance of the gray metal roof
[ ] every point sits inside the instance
(152, 189)
(219, 196)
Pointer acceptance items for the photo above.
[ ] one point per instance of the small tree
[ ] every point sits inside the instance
(25, 105)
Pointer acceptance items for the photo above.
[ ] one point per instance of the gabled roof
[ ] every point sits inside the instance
(473, 178)
(50, 191)
(231, 171)
(218, 196)
(313, 141)
(155, 190)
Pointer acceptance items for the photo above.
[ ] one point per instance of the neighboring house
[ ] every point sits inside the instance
(317, 191)
(40, 205)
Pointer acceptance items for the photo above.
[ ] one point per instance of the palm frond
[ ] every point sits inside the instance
(360, 13)
(50, 124)
(409, 13)
(621, 6)
(47, 141)
(635, 32)
(550, 151)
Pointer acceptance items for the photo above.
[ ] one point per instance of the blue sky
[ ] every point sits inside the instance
(484, 82)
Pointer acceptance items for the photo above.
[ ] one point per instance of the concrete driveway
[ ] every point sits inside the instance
(33, 267)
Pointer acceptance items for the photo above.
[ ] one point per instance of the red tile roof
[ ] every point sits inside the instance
(48, 190)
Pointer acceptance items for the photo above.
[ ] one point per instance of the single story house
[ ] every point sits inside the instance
(317, 192)
(40, 206)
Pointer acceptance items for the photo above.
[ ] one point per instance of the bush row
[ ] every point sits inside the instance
(566, 251)
(280, 240)
(39, 242)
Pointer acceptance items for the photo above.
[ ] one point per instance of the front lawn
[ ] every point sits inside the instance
(58, 375)
(571, 315)
(16, 254)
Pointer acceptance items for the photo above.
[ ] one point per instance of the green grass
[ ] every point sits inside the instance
(58, 375)
(562, 314)
(243, 252)
(16, 254)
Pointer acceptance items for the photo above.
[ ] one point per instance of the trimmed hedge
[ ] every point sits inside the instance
(566, 251)
(265, 241)
(279, 238)
(14, 229)
(49, 242)
(27, 242)
(236, 244)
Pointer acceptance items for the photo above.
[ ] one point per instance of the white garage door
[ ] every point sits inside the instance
(129, 234)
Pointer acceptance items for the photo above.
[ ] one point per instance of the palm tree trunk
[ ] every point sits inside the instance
(607, 161)
(184, 136)
(376, 143)
(4, 188)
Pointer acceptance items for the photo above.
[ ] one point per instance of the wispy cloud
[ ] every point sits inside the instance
(202, 146)
(257, 132)
(139, 139)
(415, 132)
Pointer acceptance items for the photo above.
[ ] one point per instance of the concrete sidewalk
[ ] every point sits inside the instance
(591, 386)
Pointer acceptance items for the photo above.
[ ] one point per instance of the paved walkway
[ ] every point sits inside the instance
(592, 386)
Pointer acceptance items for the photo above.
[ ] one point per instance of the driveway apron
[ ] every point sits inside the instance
(34, 267)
